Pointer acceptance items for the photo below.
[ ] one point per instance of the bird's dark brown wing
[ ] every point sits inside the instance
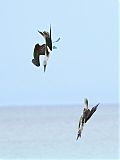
(79, 122)
(42, 49)
(91, 113)
(38, 50)
(36, 55)
(50, 40)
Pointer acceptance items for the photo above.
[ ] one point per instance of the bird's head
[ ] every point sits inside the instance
(86, 103)
(46, 34)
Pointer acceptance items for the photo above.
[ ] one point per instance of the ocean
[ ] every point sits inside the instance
(49, 132)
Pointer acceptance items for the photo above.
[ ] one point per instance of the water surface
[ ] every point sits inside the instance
(49, 132)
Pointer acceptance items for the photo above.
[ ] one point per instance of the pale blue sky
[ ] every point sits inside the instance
(84, 65)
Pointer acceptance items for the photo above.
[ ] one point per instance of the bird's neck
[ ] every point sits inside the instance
(86, 107)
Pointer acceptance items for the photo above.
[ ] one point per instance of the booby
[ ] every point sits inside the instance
(87, 113)
(43, 49)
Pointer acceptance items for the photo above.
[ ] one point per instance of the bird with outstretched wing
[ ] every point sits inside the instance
(87, 113)
(44, 49)
(90, 112)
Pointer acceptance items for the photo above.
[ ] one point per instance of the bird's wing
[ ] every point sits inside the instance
(36, 55)
(42, 49)
(48, 40)
(86, 114)
(94, 108)
(80, 127)
(79, 122)
(91, 113)
(50, 45)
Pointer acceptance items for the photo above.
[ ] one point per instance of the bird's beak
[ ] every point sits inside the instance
(44, 68)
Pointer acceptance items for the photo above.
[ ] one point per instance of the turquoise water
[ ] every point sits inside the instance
(50, 133)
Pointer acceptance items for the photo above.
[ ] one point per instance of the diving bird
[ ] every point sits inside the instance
(43, 49)
(87, 113)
